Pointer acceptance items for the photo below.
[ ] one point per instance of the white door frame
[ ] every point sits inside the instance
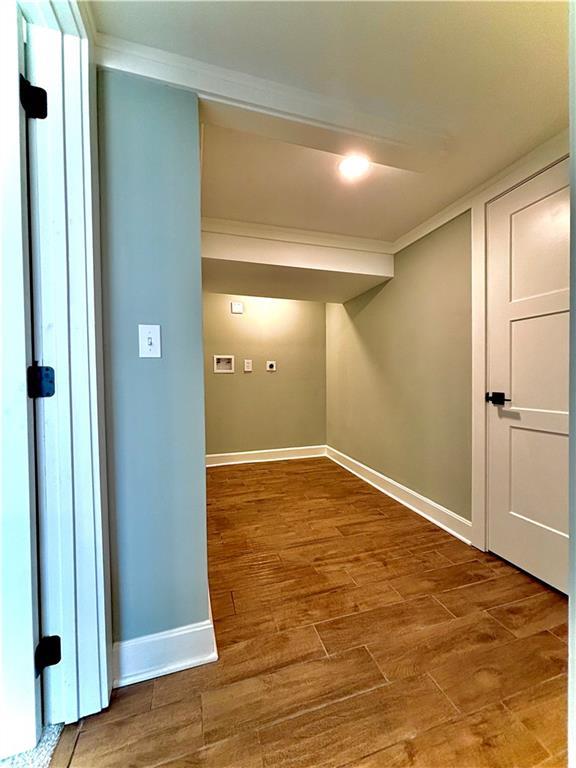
(72, 490)
(20, 695)
(72, 497)
(572, 417)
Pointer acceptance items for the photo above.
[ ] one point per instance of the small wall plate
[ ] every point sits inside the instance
(149, 341)
(223, 363)
(271, 365)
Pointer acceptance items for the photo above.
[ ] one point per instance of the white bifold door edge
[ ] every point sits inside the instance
(72, 527)
(20, 694)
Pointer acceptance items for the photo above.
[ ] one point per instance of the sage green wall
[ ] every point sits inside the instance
(259, 410)
(399, 370)
(150, 205)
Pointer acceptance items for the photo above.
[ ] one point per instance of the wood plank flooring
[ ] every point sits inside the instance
(352, 633)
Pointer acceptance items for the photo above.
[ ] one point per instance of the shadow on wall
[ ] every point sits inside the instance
(355, 306)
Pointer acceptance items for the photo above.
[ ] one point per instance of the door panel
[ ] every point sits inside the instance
(539, 370)
(539, 232)
(528, 336)
(538, 490)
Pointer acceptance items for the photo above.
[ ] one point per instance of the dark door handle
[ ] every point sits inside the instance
(497, 398)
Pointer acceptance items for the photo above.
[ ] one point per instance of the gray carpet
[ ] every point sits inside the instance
(39, 757)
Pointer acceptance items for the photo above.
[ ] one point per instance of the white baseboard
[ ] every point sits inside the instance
(163, 653)
(273, 454)
(444, 518)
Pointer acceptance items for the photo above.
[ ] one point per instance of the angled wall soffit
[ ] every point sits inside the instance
(236, 100)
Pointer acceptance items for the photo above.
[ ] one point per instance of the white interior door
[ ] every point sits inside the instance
(20, 694)
(528, 252)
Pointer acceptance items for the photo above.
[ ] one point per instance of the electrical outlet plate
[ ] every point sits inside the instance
(271, 365)
(237, 307)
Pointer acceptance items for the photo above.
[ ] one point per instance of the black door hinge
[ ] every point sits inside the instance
(33, 99)
(40, 380)
(48, 652)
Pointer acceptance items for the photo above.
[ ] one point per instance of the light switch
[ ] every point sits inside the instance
(149, 341)
(247, 366)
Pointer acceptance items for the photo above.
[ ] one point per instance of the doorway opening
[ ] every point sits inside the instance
(346, 531)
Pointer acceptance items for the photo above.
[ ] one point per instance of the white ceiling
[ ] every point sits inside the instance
(490, 76)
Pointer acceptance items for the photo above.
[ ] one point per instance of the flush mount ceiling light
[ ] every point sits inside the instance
(354, 167)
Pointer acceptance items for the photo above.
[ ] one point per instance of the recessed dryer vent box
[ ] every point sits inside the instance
(223, 363)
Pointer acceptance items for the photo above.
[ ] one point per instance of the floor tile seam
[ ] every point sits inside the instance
(314, 623)
(489, 581)
(527, 730)
(487, 650)
(318, 707)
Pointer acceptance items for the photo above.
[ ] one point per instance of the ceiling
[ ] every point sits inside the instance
(491, 77)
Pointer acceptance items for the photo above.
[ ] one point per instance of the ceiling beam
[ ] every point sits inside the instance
(238, 263)
(244, 102)
(291, 235)
(234, 247)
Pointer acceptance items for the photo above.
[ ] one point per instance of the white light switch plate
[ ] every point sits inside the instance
(149, 341)
(247, 366)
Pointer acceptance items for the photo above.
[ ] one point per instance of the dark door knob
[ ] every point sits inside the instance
(497, 398)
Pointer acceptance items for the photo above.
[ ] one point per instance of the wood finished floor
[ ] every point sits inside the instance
(352, 632)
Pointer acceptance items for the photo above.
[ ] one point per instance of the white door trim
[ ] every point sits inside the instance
(572, 408)
(73, 536)
(20, 698)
